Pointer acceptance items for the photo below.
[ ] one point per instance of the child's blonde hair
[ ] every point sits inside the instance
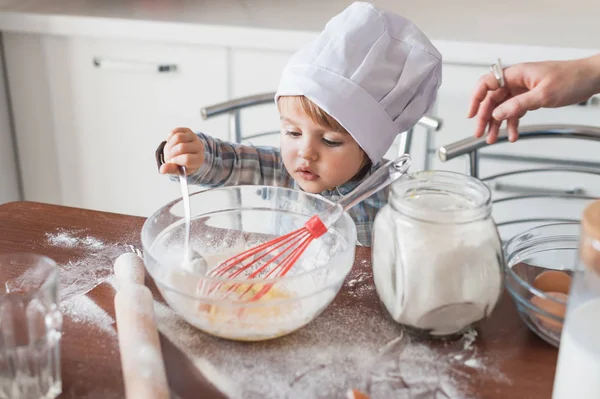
(321, 118)
(314, 112)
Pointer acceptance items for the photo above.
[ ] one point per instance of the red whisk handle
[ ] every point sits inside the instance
(315, 227)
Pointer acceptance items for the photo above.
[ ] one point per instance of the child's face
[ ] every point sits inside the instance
(317, 159)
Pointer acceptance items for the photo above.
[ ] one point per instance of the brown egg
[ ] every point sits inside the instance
(553, 281)
(356, 394)
(551, 307)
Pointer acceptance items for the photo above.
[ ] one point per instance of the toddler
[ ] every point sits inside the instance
(342, 100)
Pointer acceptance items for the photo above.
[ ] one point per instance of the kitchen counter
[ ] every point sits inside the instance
(353, 343)
(465, 31)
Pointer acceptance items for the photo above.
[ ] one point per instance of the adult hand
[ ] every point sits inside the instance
(530, 86)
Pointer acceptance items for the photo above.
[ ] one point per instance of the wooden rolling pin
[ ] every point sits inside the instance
(139, 344)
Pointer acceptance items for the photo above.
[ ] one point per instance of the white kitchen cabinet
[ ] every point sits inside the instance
(89, 113)
(28, 84)
(101, 109)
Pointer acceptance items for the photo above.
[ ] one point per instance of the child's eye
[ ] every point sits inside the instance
(293, 134)
(331, 143)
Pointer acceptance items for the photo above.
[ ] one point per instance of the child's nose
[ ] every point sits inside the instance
(307, 152)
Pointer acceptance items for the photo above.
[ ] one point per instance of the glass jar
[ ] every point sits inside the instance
(437, 256)
(578, 367)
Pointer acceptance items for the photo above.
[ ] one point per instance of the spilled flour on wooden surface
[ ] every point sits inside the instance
(67, 239)
(343, 348)
(92, 266)
(82, 309)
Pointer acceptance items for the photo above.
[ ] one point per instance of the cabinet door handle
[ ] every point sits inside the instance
(517, 188)
(133, 66)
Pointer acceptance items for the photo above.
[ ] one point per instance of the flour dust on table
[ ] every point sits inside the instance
(91, 266)
(83, 309)
(412, 369)
(71, 239)
(344, 348)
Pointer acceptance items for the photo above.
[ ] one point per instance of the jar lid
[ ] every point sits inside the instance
(590, 239)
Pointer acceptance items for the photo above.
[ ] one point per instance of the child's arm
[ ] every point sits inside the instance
(212, 162)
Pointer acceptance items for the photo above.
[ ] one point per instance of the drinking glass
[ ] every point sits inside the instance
(30, 327)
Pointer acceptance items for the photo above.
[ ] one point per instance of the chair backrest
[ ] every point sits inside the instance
(519, 203)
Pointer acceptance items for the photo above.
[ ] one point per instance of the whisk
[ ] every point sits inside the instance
(276, 257)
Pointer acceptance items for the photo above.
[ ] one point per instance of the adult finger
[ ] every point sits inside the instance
(490, 103)
(484, 116)
(485, 84)
(512, 126)
(518, 106)
(481, 125)
(493, 131)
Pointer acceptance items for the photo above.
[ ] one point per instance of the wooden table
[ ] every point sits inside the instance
(90, 358)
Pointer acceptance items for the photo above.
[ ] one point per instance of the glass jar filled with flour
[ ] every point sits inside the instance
(437, 255)
(578, 367)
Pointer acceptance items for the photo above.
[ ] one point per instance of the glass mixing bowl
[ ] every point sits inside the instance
(227, 221)
(548, 250)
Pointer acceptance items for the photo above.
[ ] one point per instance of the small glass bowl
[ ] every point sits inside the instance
(544, 249)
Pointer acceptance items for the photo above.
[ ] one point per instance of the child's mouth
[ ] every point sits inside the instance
(306, 174)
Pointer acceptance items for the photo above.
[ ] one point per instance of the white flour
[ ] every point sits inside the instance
(344, 348)
(213, 375)
(67, 239)
(469, 338)
(92, 266)
(84, 310)
(440, 277)
(358, 286)
(475, 363)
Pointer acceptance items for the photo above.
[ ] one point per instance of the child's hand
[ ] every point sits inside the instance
(183, 148)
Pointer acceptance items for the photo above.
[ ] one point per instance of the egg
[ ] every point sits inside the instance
(356, 394)
(550, 306)
(553, 281)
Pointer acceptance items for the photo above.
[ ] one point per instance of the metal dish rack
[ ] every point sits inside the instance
(574, 199)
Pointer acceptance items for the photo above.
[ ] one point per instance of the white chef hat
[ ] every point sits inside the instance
(372, 70)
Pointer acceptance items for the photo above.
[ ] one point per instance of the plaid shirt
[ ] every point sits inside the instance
(229, 164)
